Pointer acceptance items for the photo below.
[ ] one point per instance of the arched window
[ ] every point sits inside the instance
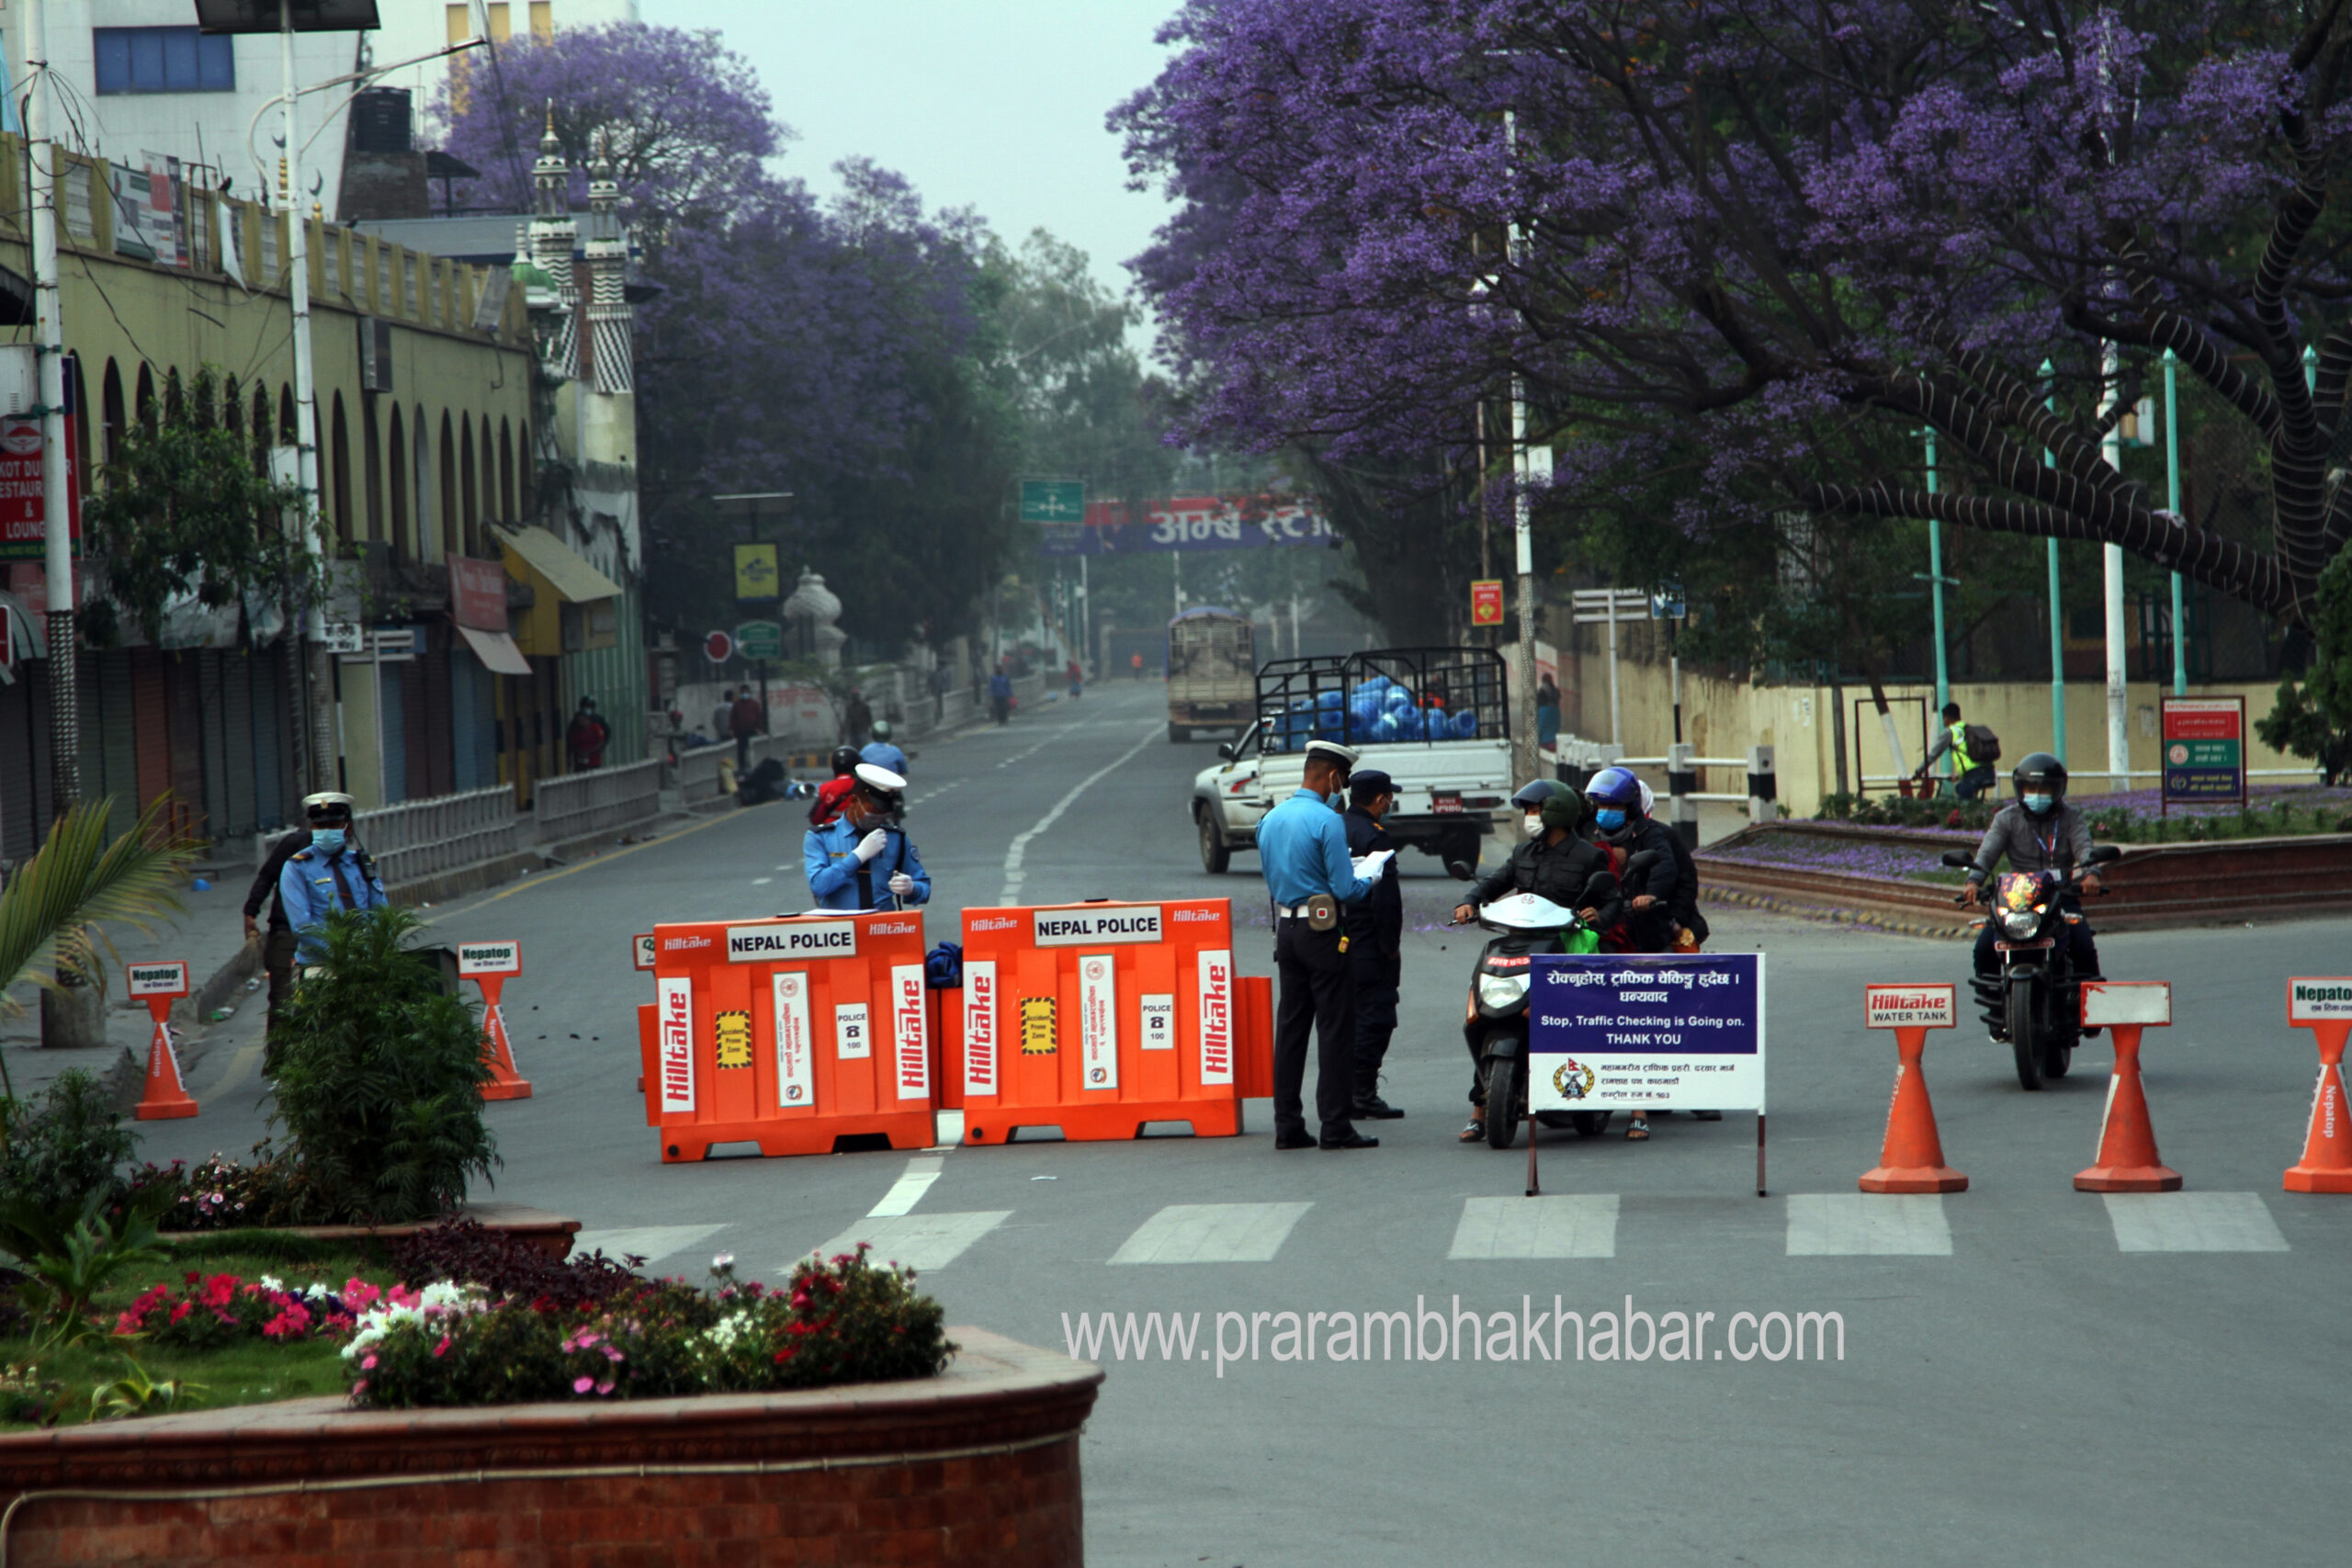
(285, 425)
(526, 468)
(467, 494)
(449, 512)
(174, 395)
(260, 431)
(371, 461)
(339, 473)
(143, 405)
(506, 473)
(232, 409)
(404, 546)
(110, 411)
(489, 474)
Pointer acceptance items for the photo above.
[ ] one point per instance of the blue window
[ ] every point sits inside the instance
(164, 59)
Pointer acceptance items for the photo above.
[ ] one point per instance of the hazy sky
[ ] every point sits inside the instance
(991, 104)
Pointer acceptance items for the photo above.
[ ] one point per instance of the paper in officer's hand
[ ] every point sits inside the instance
(1368, 865)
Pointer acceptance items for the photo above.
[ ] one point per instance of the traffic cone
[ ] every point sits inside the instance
(165, 1098)
(1912, 1158)
(497, 1053)
(2326, 1165)
(2127, 1139)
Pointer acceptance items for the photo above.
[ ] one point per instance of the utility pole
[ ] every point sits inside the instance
(2118, 737)
(2171, 504)
(1936, 580)
(316, 673)
(1531, 465)
(49, 354)
(2057, 612)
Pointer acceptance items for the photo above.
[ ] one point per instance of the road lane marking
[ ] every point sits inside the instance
(1212, 1233)
(919, 1241)
(1579, 1224)
(907, 1191)
(1860, 1224)
(652, 1243)
(2192, 1221)
(528, 883)
(240, 1067)
(1014, 874)
(762, 881)
(1062, 733)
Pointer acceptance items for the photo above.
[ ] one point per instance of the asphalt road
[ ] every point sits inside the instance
(2016, 1385)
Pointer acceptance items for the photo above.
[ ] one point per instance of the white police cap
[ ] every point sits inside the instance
(882, 780)
(1332, 752)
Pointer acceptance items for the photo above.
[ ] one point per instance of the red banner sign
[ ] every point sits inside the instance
(478, 592)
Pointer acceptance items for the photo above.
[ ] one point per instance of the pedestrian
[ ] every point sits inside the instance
(1547, 712)
(326, 874)
(1135, 665)
(863, 858)
(1000, 695)
(745, 719)
(587, 736)
(1975, 749)
(938, 696)
(880, 750)
(857, 718)
(277, 941)
(1376, 940)
(1303, 851)
(722, 717)
(1076, 677)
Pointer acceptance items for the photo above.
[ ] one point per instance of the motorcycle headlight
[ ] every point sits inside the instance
(1502, 990)
(2020, 922)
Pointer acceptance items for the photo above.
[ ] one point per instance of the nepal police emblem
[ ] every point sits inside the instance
(1572, 1079)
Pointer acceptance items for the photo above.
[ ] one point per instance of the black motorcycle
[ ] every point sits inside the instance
(1496, 1023)
(2035, 999)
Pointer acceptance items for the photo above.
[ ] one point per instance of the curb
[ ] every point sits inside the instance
(1865, 919)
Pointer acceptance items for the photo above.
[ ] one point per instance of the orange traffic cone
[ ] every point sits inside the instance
(2127, 1139)
(1912, 1158)
(497, 1053)
(165, 1098)
(2326, 1165)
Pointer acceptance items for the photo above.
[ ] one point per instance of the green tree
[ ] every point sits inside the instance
(2312, 716)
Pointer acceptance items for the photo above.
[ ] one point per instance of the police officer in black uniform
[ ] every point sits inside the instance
(1376, 940)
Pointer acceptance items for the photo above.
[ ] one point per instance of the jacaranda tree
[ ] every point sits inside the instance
(1756, 244)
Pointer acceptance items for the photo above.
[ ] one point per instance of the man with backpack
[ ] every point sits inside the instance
(1975, 749)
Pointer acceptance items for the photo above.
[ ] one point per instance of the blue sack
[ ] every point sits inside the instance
(942, 967)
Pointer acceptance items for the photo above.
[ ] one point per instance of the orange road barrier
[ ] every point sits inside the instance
(2127, 1139)
(1099, 1018)
(159, 984)
(491, 964)
(2324, 1006)
(640, 952)
(803, 1035)
(1912, 1158)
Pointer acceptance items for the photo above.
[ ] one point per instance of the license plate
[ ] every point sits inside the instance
(2020, 946)
(1445, 805)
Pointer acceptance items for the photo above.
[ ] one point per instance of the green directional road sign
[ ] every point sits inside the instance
(1053, 501)
(760, 639)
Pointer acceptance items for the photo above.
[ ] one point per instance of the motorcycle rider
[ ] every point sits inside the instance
(883, 753)
(1624, 826)
(2038, 831)
(1555, 863)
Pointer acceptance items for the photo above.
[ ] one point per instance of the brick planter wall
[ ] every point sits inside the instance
(978, 1466)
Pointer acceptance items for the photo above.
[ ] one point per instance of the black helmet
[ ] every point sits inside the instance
(845, 760)
(2040, 773)
(1532, 796)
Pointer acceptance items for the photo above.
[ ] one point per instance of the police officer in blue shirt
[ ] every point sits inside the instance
(863, 858)
(1303, 850)
(882, 754)
(329, 875)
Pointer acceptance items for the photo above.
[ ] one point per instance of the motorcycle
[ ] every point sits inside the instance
(2034, 1000)
(1525, 925)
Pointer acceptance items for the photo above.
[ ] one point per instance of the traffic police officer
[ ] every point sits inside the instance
(1303, 850)
(1376, 940)
(326, 874)
(863, 860)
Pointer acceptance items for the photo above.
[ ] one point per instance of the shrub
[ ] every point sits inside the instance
(379, 1080)
(469, 1253)
(842, 1321)
(70, 1261)
(208, 1311)
(71, 1144)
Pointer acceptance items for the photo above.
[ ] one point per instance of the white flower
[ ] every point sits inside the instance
(270, 1282)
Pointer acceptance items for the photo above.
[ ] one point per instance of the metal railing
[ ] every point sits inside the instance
(418, 839)
(576, 805)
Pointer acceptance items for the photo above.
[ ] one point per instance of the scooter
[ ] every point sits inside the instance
(2034, 1000)
(1496, 1020)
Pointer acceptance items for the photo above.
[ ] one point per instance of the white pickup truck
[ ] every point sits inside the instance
(1434, 720)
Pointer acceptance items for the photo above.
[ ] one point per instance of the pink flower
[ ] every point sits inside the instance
(583, 1384)
(367, 1363)
(401, 1296)
(442, 1348)
(359, 1295)
(605, 1387)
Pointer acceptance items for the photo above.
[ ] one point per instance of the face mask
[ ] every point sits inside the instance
(1534, 825)
(2037, 804)
(1611, 818)
(327, 841)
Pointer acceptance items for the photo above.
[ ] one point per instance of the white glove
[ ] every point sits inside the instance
(901, 884)
(871, 845)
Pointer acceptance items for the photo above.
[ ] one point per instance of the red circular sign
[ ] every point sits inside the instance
(718, 647)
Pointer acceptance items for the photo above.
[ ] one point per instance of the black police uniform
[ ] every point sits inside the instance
(278, 945)
(1375, 952)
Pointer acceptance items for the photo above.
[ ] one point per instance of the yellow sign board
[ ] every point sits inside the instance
(1038, 1037)
(755, 573)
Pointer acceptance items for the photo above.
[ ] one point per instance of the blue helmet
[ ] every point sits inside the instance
(1615, 786)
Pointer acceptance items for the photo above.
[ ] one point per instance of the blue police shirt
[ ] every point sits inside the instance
(307, 892)
(829, 855)
(1302, 849)
(882, 754)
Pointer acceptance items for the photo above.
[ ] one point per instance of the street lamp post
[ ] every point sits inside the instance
(2171, 504)
(48, 351)
(2057, 612)
(1936, 582)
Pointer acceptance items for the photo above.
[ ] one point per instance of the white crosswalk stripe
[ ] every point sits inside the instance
(652, 1242)
(908, 1190)
(1573, 1225)
(1212, 1233)
(921, 1242)
(1859, 1225)
(2192, 1221)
